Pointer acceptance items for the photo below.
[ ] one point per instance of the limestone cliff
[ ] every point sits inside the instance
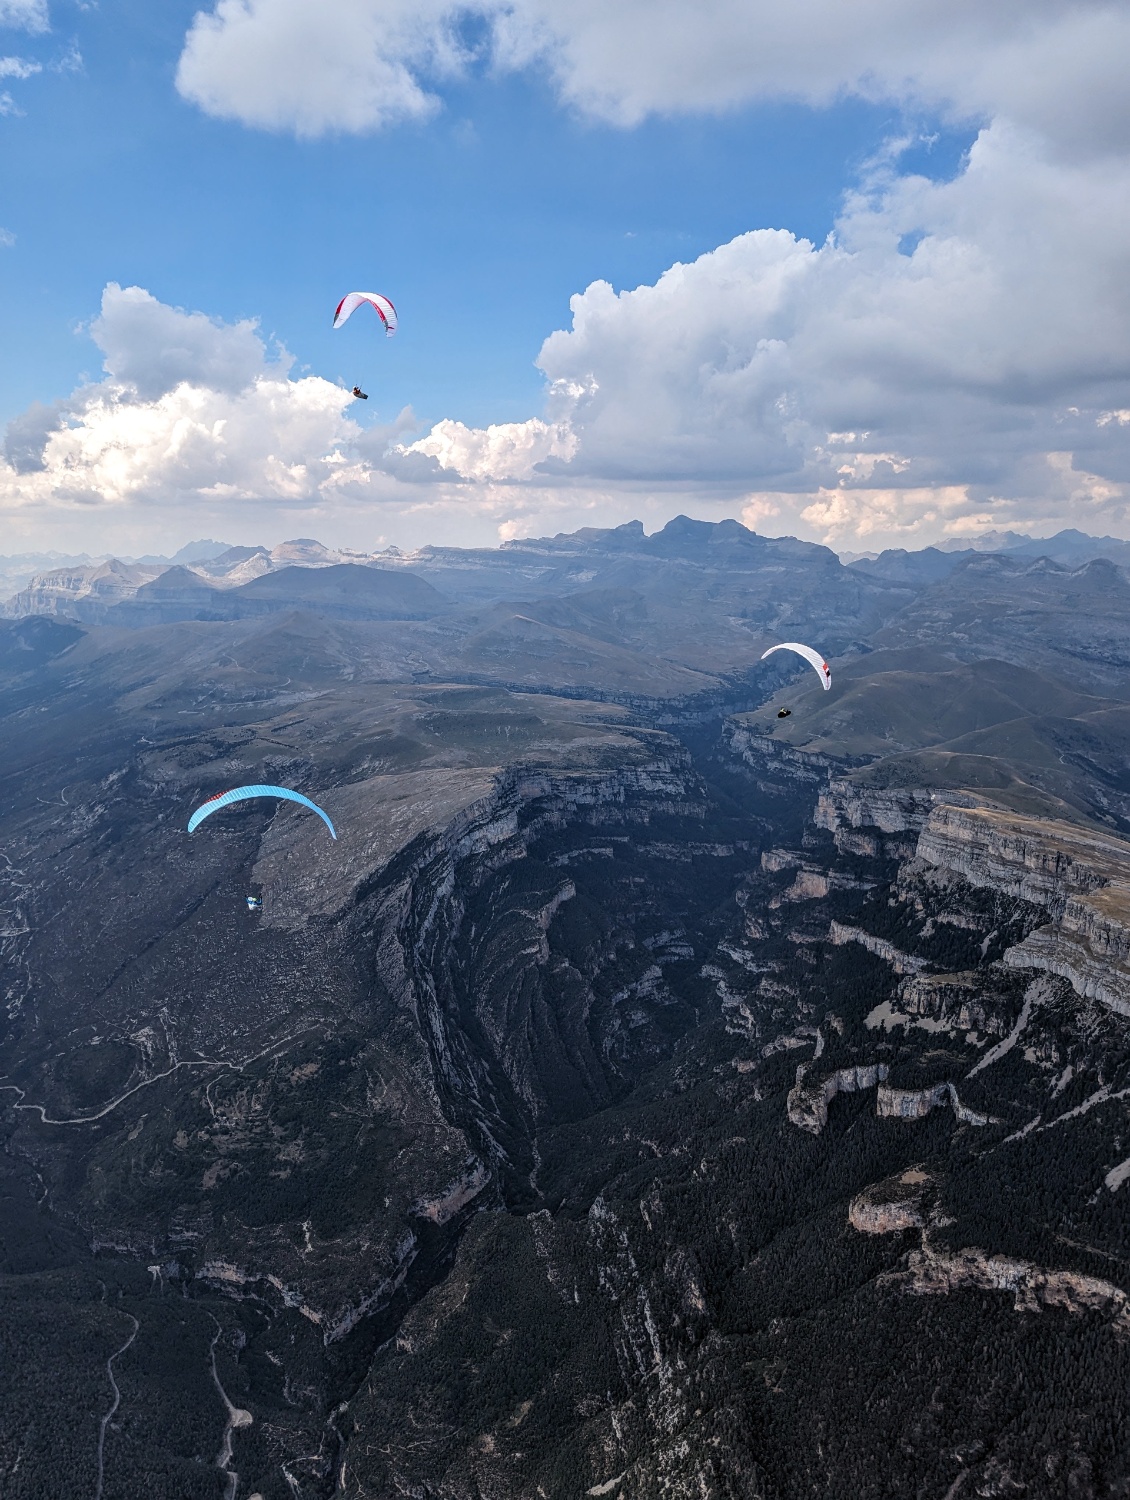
(913, 1104)
(893, 1205)
(902, 963)
(1080, 876)
(1033, 1287)
(762, 753)
(845, 804)
(951, 1001)
(809, 1099)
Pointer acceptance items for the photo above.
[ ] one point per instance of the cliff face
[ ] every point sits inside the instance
(1035, 860)
(913, 1104)
(936, 1272)
(902, 963)
(809, 1098)
(845, 805)
(761, 753)
(1080, 877)
(904, 1202)
(957, 1001)
(463, 944)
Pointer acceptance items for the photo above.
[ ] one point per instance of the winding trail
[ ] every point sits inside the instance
(237, 1417)
(203, 1062)
(116, 1402)
(144, 1084)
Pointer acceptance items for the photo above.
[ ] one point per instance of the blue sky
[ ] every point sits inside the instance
(527, 182)
(479, 224)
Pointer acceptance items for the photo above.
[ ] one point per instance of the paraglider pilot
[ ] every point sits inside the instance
(359, 393)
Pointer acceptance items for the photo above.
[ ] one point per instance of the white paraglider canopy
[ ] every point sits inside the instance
(353, 300)
(814, 659)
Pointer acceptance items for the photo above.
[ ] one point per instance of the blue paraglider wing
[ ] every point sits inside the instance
(244, 793)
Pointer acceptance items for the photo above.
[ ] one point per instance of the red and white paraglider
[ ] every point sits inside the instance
(380, 305)
(353, 300)
(813, 658)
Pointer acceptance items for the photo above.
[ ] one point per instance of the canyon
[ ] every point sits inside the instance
(642, 1096)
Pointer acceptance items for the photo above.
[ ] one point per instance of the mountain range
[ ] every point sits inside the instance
(646, 1094)
(49, 583)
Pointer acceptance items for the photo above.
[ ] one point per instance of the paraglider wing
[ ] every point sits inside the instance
(813, 658)
(353, 300)
(245, 793)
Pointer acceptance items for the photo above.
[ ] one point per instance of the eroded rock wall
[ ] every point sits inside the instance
(1079, 876)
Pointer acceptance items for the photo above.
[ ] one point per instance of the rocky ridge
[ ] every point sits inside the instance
(934, 1272)
(809, 1098)
(1079, 876)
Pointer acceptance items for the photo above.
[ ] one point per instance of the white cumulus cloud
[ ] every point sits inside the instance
(509, 450)
(884, 392)
(295, 65)
(1053, 65)
(192, 415)
(154, 348)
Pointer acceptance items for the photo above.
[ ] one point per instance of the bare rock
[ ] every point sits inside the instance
(914, 1104)
(1079, 875)
(809, 1099)
(891, 1206)
(936, 1272)
(902, 963)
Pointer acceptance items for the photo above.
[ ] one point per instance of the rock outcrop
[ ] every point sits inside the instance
(761, 753)
(809, 1099)
(813, 884)
(960, 1001)
(846, 805)
(1080, 876)
(914, 1104)
(933, 1271)
(902, 963)
(891, 1206)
